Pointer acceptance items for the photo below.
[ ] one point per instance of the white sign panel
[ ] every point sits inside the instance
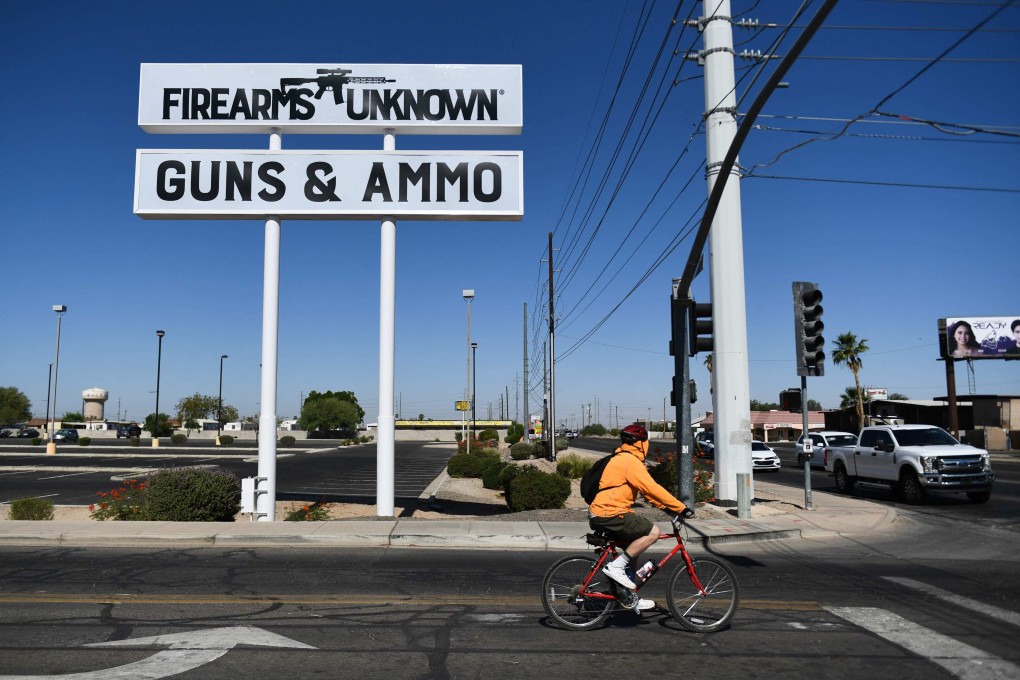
(421, 185)
(331, 98)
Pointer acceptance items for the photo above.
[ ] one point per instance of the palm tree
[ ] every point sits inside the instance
(708, 362)
(848, 353)
(849, 397)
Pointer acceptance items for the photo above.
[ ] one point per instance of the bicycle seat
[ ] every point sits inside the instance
(597, 538)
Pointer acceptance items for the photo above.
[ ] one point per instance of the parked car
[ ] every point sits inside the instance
(7, 432)
(763, 457)
(65, 436)
(129, 431)
(705, 441)
(28, 433)
(571, 434)
(819, 440)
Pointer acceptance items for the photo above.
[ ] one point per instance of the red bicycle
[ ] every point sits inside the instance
(702, 592)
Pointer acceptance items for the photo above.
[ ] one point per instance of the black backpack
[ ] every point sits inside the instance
(593, 477)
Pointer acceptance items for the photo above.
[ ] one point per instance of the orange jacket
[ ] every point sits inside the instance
(624, 477)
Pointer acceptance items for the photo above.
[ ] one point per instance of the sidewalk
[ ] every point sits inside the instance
(778, 513)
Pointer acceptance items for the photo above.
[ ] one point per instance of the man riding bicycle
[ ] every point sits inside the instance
(612, 513)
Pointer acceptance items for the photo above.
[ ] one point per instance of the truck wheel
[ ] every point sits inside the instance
(978, 497)
(910, 488)
(844, 482)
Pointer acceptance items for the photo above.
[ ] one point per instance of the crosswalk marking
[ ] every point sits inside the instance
(981, 607)
(960, 659)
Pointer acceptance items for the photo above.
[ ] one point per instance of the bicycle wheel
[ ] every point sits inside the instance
(562, 598)
(708, 612)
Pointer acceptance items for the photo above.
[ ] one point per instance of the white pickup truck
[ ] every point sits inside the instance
(913, 460)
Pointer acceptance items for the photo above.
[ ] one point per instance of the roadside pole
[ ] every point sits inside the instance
(808, 445)
(387, 330)
(265, 503)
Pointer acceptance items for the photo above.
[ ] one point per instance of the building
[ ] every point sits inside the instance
(776, 426)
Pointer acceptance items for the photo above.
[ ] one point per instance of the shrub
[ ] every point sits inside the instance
(515, 433)
(491, 473)
(36, 441)
(84, 441)
(226, 440)
(562, 444)
(123, 503)
(286, 440)
(488, 435)
(179, 438)
(364, 439)
(540, 449)
(471, 464)
(536, 490)
(664, 472)
(571, 466)
(508, 473)
(190, 494)
(31, 508)
(458, 436)
(521, 451)
(311, 512)
(593, 430)
(135, 441)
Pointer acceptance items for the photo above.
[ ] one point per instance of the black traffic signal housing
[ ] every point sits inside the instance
(808, 327)
(789, 400)
(692, 391)
(700, 327)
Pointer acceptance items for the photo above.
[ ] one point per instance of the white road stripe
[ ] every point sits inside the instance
(960, 600)
(71, 474)
(960, 659)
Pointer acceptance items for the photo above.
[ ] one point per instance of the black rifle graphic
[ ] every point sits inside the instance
(333, 80)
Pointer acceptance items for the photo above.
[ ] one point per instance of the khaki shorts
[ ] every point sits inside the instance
(623, 528)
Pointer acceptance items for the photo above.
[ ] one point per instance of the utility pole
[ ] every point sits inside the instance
(730, 370)
(552, 358)
(527, 414)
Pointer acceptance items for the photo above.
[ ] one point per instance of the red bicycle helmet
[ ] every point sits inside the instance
(633, 433)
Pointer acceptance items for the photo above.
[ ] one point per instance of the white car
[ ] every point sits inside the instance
(820, 440)
(763, 457)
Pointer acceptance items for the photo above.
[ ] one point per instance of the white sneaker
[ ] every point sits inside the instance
(645, 605)
(618, 574)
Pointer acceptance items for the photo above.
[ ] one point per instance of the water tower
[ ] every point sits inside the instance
(94, 398)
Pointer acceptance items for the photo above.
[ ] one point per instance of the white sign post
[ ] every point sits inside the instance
(273, 185)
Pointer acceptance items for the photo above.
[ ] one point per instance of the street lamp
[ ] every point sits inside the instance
(219, 403)
(155, 418)
(49, 388)
(469, 295)
(474, 366)
(51, 446)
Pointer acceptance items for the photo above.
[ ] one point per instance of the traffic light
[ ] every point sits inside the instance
(808, 327)
(789, 400)
(700, 327)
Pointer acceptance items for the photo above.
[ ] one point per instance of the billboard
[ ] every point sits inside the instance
(247, 184)
(331, 98)
(982, 337)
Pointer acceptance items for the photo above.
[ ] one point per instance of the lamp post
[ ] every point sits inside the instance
(51, 446)
(49, 386)
(155, 417)
(474, 365)
(469, 295)
(219, 402)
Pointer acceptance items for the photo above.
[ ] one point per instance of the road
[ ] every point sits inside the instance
(1002, 510)
(328, 474)
(808, 608)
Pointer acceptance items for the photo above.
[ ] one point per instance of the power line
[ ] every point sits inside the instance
(887, 184)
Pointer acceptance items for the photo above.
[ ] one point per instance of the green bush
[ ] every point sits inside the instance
(287, 440)
(31, 508)
(458, 436)
(664, 472)
(508, 473)
(179, 438)
(572, 466)
(536, 490)
(593, 430)
(488, 435)
(540, 449)
(514, 433)
(135, 441)
(522, 451)
(190, 494)
(36, 441)
(562, 444)
(471, 464)
(84, 441)
(226, 440)
(491, 472)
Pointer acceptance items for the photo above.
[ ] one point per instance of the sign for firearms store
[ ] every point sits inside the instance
(421, 185)
(331, 98)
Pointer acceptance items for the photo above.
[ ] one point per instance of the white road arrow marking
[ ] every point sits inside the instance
(187, 651)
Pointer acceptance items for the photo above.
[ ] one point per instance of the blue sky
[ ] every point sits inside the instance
(891, 259)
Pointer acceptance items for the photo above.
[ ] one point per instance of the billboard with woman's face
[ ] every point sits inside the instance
(983, 337)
